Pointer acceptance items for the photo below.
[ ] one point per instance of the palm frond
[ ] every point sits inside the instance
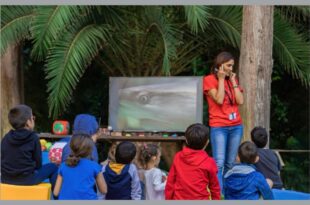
(68, 61)
(120, 54)
(152, 54)
(170, 35)
(186, 55)
(48, 23)
(295, 13)
(291, 49)
(197, 17)
(15, 25)
(111, 15)
(225, 24)
(304, 10)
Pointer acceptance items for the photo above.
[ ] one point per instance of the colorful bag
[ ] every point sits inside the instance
(55, 152)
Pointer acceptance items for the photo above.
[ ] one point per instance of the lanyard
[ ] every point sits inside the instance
(230, 95)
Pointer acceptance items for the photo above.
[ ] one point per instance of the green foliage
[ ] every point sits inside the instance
(290, 129)
(292, 143)
(49, 21)
(68, 61)
(295, 14)
(16, 22)
(170, 35)
(35, 90)
(199, 67)
(280, 110)
(291, 50)
(225, 24)
(154, 45)
(89, 97)
(295, 174)
(197, 17)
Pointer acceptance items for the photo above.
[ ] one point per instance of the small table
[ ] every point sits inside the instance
(154, 137)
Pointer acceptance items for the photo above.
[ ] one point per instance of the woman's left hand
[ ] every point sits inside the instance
(232, 77)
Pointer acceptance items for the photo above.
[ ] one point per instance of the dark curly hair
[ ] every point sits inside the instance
(147, 152)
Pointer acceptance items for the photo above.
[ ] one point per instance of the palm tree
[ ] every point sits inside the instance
(68, 38)
(136, 40)
(154, 45)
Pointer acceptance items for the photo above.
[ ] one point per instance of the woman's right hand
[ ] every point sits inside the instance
(221, 73)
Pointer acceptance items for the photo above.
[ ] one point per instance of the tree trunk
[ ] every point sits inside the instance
(168, 150)
(11, 82)
(256, 66)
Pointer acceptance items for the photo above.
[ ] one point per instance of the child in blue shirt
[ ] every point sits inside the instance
(78, 176)
(243, 181)
(122, 176)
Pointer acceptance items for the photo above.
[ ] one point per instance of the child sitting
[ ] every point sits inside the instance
(78, 175)
(243, 181)
(122, 176)
(21, 155)
(154, 179)
(268, 164)
(193, 174)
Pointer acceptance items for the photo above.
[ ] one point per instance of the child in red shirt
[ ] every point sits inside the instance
(193, 174)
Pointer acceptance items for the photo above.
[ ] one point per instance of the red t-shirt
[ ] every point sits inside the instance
(219, 114)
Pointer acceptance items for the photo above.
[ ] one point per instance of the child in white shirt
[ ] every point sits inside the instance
(154, 178)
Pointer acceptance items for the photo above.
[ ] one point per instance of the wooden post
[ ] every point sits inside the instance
(256, 66)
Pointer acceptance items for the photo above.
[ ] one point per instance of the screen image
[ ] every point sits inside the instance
(155, 103)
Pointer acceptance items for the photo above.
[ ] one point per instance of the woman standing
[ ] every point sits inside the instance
(223, 93)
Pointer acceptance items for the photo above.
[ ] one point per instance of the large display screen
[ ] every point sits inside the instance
(155, 104)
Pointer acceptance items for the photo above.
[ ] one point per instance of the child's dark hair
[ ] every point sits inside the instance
(147, 152)
(259, 136)
(247, 152)
(125, 152)
(197, 136)
(19, 115)
(81, 146)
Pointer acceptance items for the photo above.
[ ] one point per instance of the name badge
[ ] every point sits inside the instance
(232, 116)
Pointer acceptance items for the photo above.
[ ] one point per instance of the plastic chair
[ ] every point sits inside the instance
(20, 192)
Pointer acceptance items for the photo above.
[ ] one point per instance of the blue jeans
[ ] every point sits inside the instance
(225, 142)
(47, 171)
(142, 188)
